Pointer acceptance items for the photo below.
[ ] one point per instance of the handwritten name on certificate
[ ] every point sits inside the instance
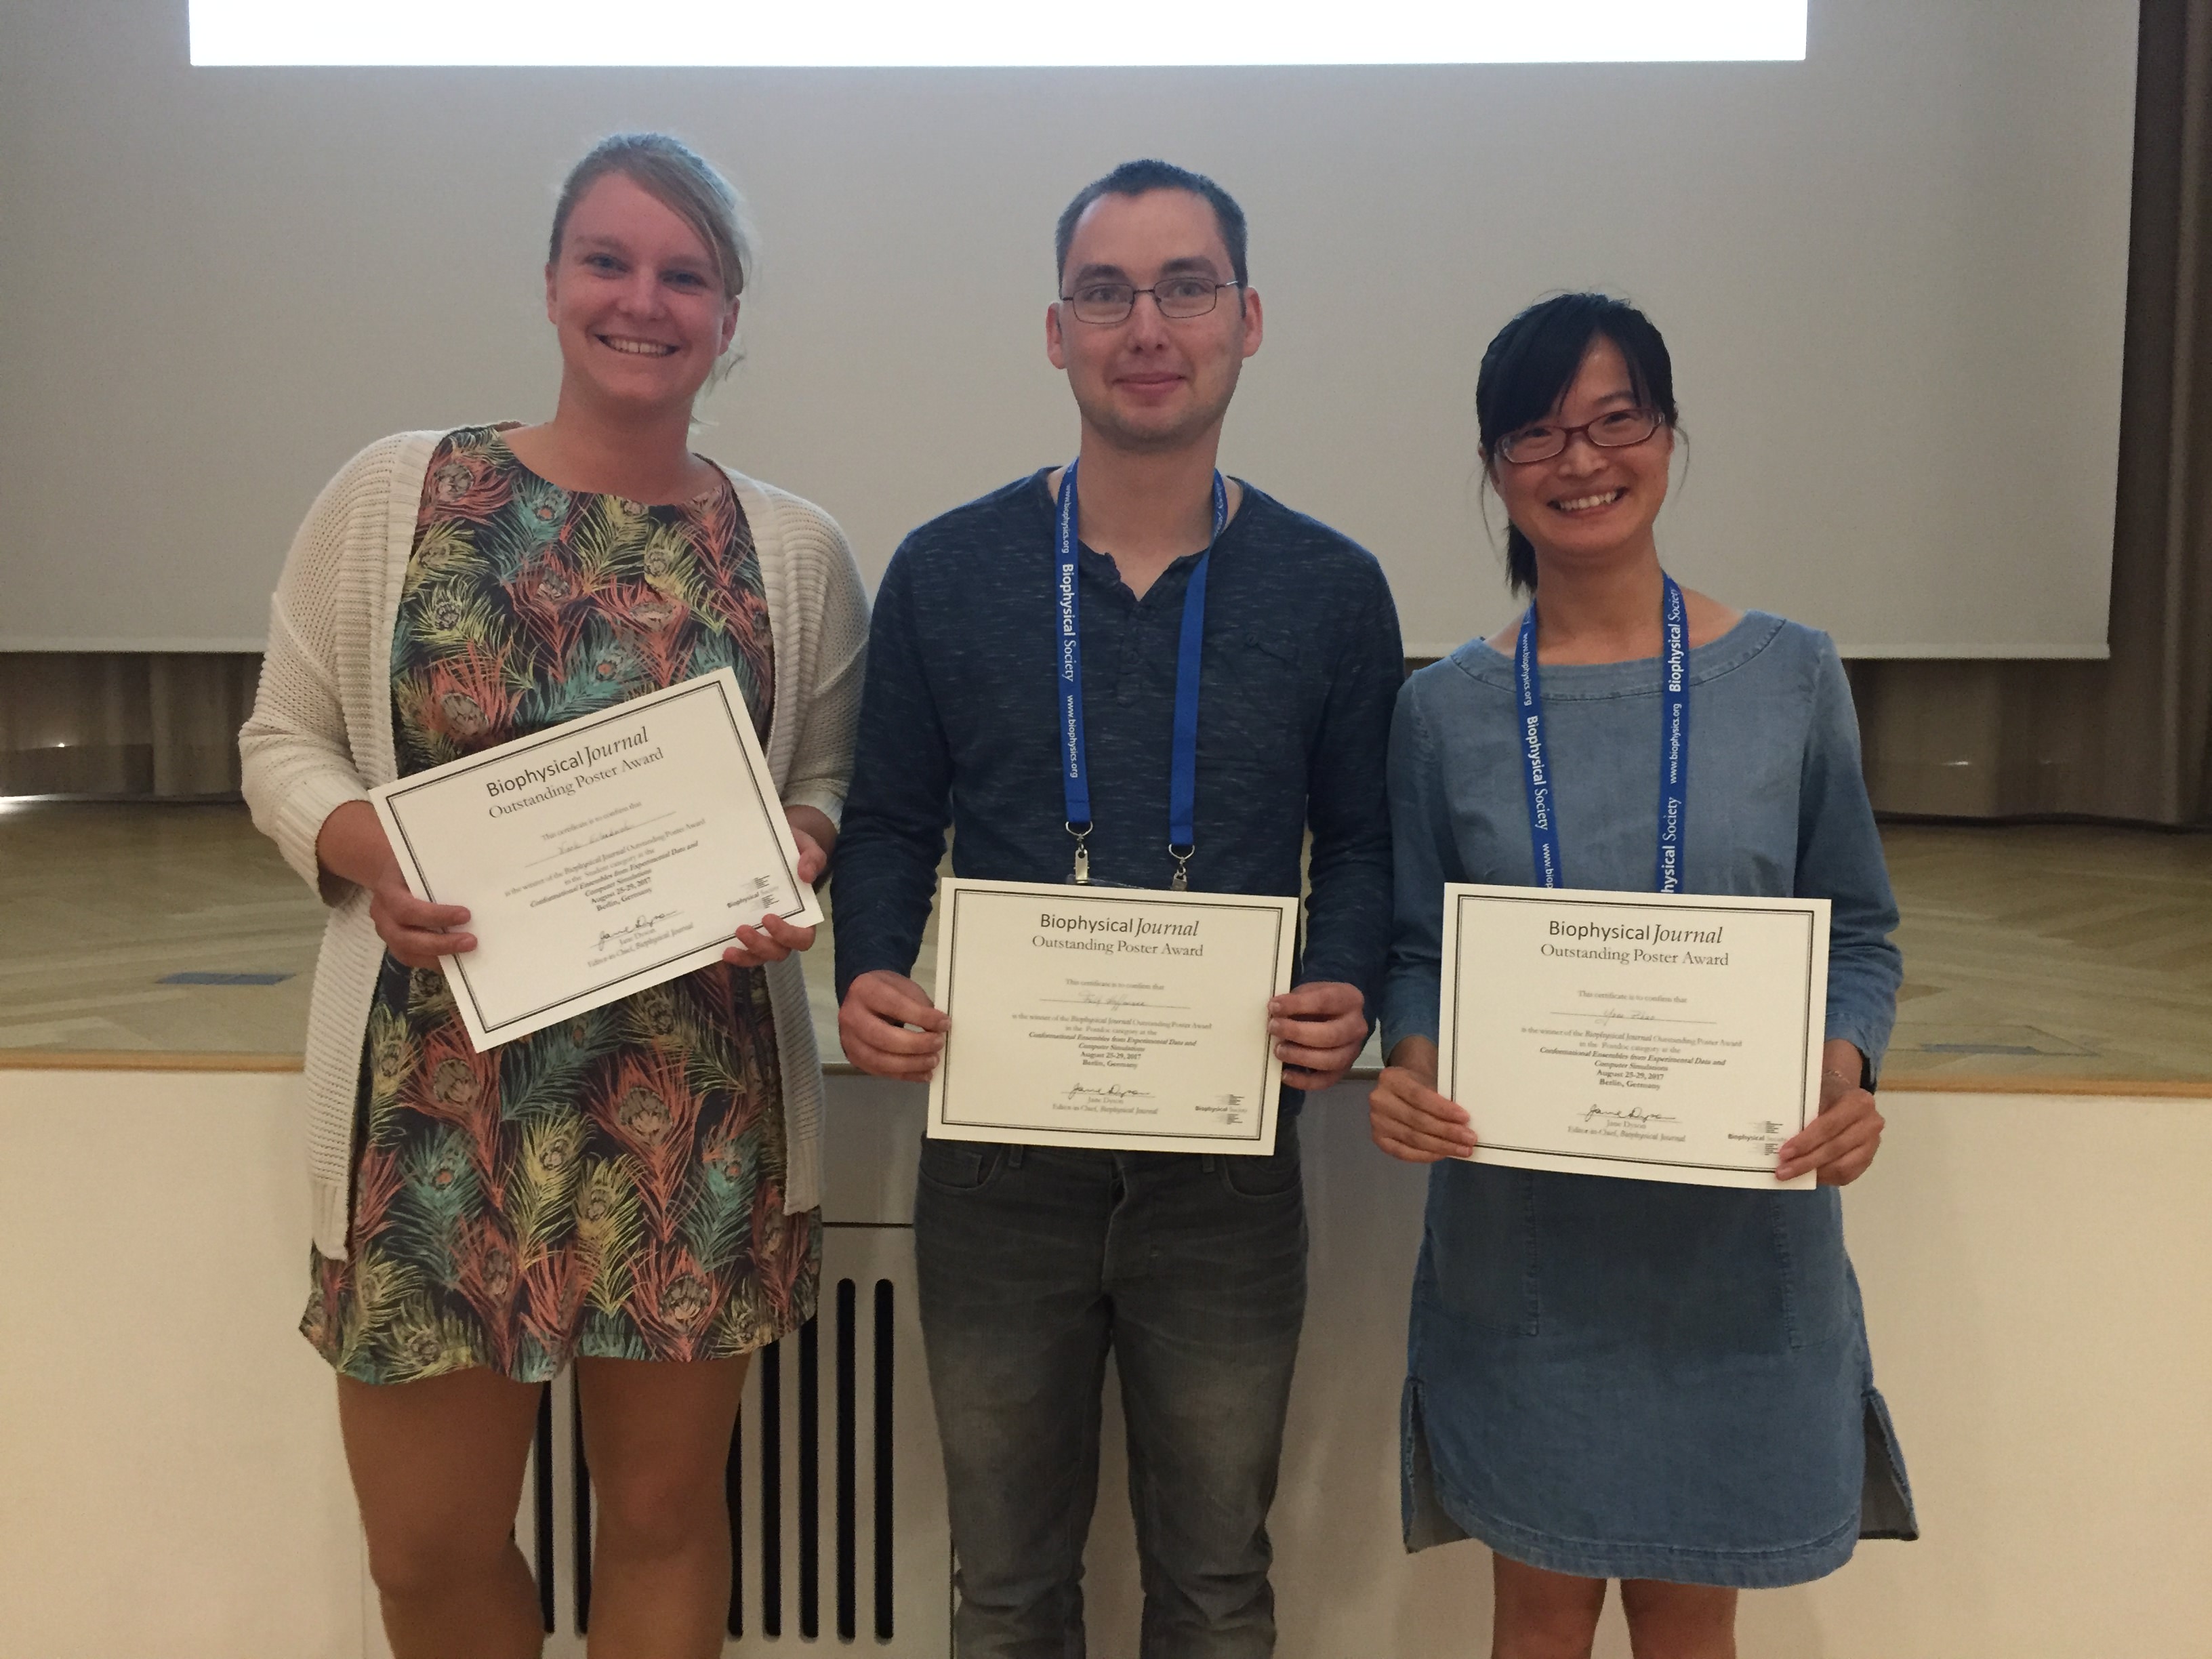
(1671, 1037)
(1109, 1017)
(601, 856)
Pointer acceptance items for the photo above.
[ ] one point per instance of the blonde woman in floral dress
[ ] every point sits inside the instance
(635, 1190)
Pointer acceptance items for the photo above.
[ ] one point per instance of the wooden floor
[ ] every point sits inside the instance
(2045, 952)
(2035, 957)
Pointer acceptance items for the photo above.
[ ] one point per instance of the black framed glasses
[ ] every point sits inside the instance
(1179, 298)
(1615, 430)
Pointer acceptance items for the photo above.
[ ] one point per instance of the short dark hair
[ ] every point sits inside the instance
(1141, 178)
(1534, 360)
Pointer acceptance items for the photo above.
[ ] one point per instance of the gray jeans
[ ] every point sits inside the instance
(1033, 1261)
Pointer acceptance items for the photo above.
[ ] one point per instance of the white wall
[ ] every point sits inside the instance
(1892, 275)
(2037, 1274)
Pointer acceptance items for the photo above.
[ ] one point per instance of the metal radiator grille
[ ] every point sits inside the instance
(834, 1485)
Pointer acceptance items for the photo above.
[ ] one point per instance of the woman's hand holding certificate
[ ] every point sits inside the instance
(352, 846)
(775, 939)
(604, 855)
(1406, 1115)
(1839, 1143)
(1409, 1120)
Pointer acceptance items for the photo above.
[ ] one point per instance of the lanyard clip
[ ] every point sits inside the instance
(1182, 856)
(1081, 874)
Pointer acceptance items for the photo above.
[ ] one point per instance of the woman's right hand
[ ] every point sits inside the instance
(352, 845)
(414, 933)
(1406, 1115)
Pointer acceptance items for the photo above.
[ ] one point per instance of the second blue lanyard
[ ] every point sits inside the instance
(1182, 765)
(1674, 746)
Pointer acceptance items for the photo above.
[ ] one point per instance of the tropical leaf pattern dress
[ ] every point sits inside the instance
(611, 1186)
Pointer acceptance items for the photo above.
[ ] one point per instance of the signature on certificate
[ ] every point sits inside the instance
(1626, 1117)
(636, 932)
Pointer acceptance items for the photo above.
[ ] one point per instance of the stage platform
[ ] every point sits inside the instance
(2044, 959)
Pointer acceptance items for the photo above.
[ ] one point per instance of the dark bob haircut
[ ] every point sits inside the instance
(1532, 361)
(1141, 178)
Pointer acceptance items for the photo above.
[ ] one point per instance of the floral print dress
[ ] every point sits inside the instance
(611, 1186)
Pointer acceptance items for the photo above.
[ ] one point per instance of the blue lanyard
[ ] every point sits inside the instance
(1074, 767)
(1673, 747)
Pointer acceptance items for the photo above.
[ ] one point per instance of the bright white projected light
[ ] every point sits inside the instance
(1011, 33)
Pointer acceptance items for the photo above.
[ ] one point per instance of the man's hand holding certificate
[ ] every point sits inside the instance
(601, 856)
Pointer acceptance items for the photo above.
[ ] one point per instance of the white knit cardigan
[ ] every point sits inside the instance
(320, 735)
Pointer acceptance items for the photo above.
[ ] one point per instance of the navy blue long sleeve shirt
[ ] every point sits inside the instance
(959, 723)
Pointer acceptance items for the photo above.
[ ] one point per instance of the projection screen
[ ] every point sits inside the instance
(1886, 240)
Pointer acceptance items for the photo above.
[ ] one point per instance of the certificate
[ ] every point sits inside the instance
(1666, 1038)
(605, 855)
(1109, 1016)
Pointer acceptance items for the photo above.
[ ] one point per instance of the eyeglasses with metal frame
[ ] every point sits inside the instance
(1617, 429)
(1179, 299)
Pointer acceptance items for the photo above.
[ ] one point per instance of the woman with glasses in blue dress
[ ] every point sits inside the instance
(1666, 1385)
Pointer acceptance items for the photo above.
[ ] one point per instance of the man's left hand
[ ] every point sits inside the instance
(1319, 1029)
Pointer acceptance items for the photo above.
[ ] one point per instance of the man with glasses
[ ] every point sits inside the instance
(1035, 1261)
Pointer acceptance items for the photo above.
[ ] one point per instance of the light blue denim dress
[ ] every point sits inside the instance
(1631, 1379)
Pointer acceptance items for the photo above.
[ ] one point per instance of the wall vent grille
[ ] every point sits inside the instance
(835, 1484)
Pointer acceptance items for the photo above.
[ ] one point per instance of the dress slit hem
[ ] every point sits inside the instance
(1432, 1514)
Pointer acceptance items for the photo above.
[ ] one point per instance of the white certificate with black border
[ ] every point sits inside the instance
(1673, 1037)
(1109, 1016)
(601, 856)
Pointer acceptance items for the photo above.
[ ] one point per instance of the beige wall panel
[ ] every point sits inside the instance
(171, 1485)
(2037, 1274)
